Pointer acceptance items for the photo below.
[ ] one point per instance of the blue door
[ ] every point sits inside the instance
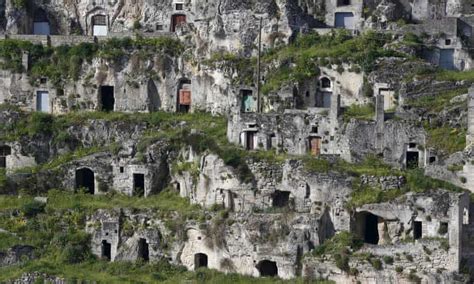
(42, 101)
(344, 20)
(446, 59)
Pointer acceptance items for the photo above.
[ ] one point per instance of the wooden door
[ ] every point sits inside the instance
(250, 141)
(177, 20)
(185, 97)
(315, 146)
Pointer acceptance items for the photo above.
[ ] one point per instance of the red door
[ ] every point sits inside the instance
(184, 97)
(177, 20)
(315, 146)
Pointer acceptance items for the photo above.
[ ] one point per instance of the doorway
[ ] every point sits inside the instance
(85, 179)
(107, 98)
(143, 251)
(177, 20)
(138, 184)
(200, 260)
(315, 146)
(106, 250)
(267, 268)
(42, 101)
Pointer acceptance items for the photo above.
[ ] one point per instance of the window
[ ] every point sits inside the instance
(447, 41)
(325, 83)
(121, 170)
(179, 6)
(159, 27)
(343, 2)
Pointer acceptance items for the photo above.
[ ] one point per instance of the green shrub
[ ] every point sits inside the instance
(376, 263)
(399, 269)
(409, 257)
(388, 260)
(33, 208)
(342, 262)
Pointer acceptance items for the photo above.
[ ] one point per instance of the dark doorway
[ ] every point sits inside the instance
(412, 159)
(417, 230)
(267, 268)
(250, 141)
(106, 250)
(107, 98)
(143, 252)
(281, 198)
(4, 152)
(200, 260)
(138, 184)
(85, 179)
(177, 20)
(371, 230)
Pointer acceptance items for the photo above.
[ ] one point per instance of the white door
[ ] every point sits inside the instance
(42, 101)
(41, 28)
(99, 30)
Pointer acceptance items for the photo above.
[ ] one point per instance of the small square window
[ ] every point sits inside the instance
(447, 41)
(179, 6)
(412, 145)
(314, 129)
(43, 80)
(121, 170)
(159, 27)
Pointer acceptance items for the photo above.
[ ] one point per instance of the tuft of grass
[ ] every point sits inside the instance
(360, 112)
(450, 140)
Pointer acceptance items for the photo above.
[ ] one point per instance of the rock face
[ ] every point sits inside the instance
(16, 255)
(324, 164)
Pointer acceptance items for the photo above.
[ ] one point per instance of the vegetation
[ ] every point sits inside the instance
(436, 103)
(302, 59)
(359, 112)
(65, 62)
(445, 138)
(340, 247)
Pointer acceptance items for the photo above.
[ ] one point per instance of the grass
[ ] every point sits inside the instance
(435, 104)
(450, 140)
(136, 272)
(416, 181)
(303, 59)
(451, 75)
(360, 112)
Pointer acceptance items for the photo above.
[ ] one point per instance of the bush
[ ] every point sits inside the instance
(388, 260)
(73, 246)
(376, 263)
(342, 262)
(33, 208)
(399, 269)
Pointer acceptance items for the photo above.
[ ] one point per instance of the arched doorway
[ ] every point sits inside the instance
(85, 179)
(267, 268)
(200, 260)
